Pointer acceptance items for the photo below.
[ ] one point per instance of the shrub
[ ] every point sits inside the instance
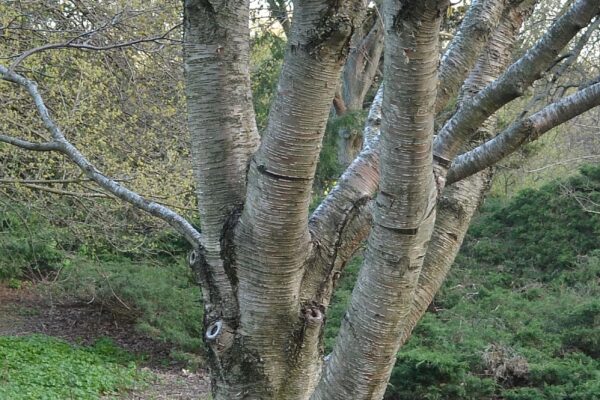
(164, 299)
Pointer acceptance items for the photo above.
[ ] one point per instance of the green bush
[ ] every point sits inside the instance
(539, 230)
(265, 64)
(151, 284)
(584, 332)
(164, 299)
(29, 244)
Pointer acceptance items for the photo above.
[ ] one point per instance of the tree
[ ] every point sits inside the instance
(266, 267)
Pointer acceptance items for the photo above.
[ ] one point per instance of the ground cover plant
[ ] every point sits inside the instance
(41, 367)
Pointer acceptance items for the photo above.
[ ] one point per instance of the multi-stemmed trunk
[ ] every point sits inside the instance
(271, 269)
(267, 268)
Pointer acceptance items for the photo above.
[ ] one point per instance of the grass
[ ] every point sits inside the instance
(41, 367)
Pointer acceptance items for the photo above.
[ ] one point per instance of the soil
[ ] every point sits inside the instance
(24, 311)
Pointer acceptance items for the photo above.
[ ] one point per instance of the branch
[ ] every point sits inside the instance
(560, 66)
(83, 46)
(222, 127)
(563, 162)
(512, 83)
(459, 202)
(279, 11)
(403, 212)
(523, 131)
(49, 181)
(64, 192)
(281, 173)
(24, 144)
(480, 21)
(335, 217)
(61, 144)
(342, 221)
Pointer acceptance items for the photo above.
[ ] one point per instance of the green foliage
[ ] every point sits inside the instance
(29, 244)
(340, 300)
(545, 229)
(519, 315)
(164, 299)
(40, 367)
(328, 167)
(151, 284)
(266, 59)
(34, 246)
(136, 91)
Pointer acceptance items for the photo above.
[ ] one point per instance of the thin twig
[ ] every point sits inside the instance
(82, 46)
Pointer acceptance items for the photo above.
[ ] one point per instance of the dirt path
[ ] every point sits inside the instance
(23, 312)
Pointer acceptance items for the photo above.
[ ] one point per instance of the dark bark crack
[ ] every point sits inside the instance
(228, 250)
(263, 170)
(332, 273)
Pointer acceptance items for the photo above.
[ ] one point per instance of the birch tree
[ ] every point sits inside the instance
(267, 267)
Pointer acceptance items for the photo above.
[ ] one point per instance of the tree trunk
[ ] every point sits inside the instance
(265, 344)
(404, 211)
(357, 78)
(458, 202)
(267, 270)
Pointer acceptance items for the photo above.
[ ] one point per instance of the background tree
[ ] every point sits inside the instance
(267, 269)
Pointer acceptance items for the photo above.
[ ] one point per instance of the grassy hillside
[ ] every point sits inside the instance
(519, 316)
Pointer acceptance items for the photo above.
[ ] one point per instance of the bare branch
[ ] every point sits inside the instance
(279, 11)
(83, 46)
(522, 131)
(24, 144)
(65, 192)
(64, 146)
(49, 181)
(559, 67)
(570, 161)
(512, 83)
(479, 22)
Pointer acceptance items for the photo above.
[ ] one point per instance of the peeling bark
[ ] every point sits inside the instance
(459, 201)
(480, 21)
(404, 211)
(272, 240)
(222, 127)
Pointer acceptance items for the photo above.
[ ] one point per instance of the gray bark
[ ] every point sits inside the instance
(480, 21)
(276, 344)
(459, 201)
(404, 211)
(338, 215)
(223, 131)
